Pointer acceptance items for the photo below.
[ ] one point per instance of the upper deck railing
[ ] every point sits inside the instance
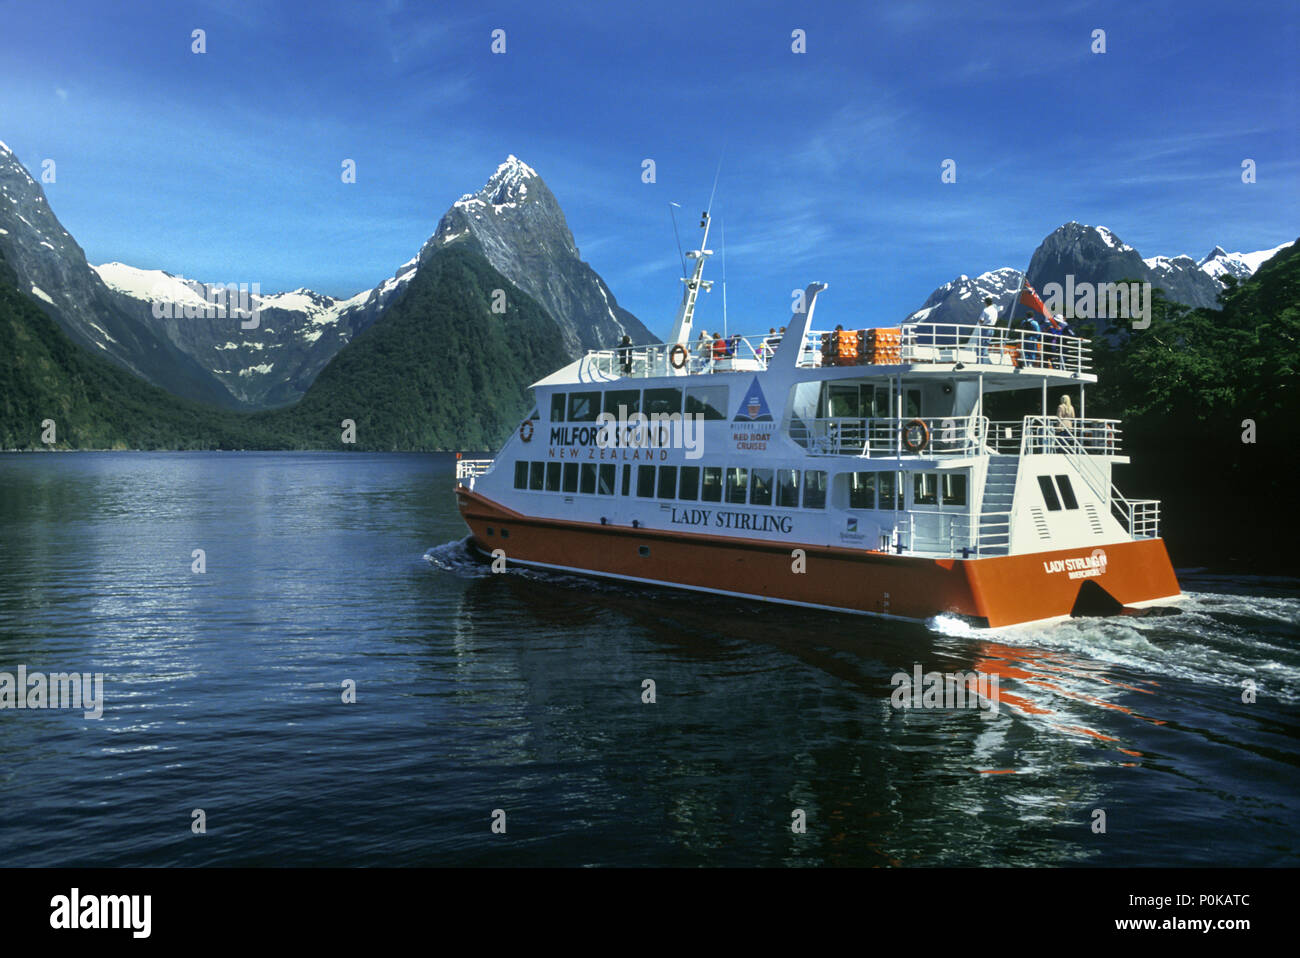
(955, 437)
(909, 344)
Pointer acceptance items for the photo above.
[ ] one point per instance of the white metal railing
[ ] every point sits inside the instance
(1044, 434)
(1142, 516)
(956, 534)
(743, 353)
(1084, 442)
(972, 345)
(883, 438)
(467, 470)
(991, 345)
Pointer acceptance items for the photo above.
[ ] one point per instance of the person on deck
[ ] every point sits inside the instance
(1033, 340)
(625, 354)
(988, 319)
(719, 348)
(1053, 326)
(705, 349)
(1065, 413)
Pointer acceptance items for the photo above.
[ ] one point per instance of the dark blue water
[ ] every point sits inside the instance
(522, 692)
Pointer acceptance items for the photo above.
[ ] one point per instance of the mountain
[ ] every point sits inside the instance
(1218, 263)
(1092, 254)
(48, 265)
(94, 403)
(438, 370)
(296, 334)
(962, 300)
(515, 221)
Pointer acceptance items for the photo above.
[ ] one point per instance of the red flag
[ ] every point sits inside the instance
(1030, 298)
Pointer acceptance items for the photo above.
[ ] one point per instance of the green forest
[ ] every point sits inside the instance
(1208, 400)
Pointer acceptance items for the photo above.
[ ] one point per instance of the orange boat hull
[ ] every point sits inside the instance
(997, 590)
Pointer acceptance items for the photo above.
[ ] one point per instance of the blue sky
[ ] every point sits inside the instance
(225, 166)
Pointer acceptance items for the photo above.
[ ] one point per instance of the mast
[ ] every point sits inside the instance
(686, 312)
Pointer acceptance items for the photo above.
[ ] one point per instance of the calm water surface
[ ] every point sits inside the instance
(522, 692)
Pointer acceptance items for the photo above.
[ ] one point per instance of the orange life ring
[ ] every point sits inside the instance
(526, 430)
(674, 353)
(909, 429)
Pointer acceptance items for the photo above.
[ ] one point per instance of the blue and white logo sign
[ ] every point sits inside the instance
(753, 407)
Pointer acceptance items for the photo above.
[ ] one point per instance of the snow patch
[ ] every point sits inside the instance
(103, 332)
(37, 291)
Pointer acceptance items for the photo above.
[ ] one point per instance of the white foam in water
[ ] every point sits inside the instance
(456, 557)
(1195, 645)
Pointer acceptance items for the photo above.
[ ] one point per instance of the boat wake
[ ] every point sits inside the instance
(1219, 640)
(459, 559)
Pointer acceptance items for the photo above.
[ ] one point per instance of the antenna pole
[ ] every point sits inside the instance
(722, 225)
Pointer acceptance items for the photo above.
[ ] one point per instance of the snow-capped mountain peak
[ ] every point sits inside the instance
(505, 189)
(1218, 262)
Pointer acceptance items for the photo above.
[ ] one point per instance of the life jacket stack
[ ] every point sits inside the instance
(883, 347)
(840, 348)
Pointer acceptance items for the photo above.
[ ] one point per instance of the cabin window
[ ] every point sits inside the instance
(886, 491)
(570, 477)
(659, 402)
(605, 485)
(844, 401)
(787, 488)
(862, 490)
(954, 488)
(557, 407)
(1049, 493)
(712, 489)
(645, 481)
(925, 489)
(583, 407)
(627, 480)
(814, 489)
(552, 477)
(913, 404)
(621, 403)
(521, 475)
(1067, 492)
(707, 401)
(667, 482)
(588, 483)
(535, 474)
(689, 490)
(737, 484)
(761, 492)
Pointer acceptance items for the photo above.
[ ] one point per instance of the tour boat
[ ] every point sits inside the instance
(852, 470)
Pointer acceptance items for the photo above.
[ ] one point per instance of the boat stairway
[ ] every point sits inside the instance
(995, 514)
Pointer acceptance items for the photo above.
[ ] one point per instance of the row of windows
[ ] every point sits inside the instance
(882, 490)
(707, 401)
(784, 488)
(1049, 493)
